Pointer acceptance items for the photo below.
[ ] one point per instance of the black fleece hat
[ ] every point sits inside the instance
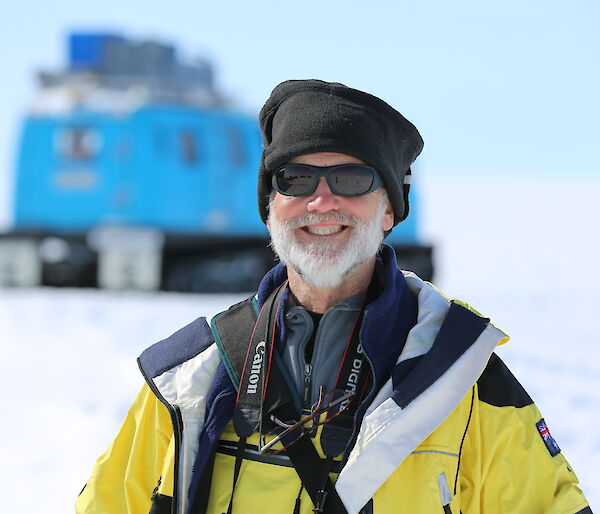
(309, 116)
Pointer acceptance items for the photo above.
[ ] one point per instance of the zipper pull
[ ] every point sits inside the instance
(307, 372)
(445, 493)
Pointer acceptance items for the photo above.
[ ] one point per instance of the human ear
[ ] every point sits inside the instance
(388, 218)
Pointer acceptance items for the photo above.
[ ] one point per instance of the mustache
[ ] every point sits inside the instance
(313, 217)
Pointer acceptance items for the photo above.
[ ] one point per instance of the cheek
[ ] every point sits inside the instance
(288, 207)
(277, 206)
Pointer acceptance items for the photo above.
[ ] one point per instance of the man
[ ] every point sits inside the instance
(343, 369)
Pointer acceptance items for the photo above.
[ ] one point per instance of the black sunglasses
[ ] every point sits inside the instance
(343, 179)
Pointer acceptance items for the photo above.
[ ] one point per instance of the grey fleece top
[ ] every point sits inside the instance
(330, 341)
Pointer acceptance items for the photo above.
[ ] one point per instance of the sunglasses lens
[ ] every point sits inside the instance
(344, 180)
(351, 180)
(295, 180)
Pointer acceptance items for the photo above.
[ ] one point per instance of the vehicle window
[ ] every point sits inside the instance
(236, 146)
(78, 143)
(188, 145)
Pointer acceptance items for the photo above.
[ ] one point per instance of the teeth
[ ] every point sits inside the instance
(324, 231)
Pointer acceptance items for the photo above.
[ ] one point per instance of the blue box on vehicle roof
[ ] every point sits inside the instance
(86, 50)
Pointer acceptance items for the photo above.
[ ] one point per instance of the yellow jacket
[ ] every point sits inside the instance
(504, 468)
(470, 440)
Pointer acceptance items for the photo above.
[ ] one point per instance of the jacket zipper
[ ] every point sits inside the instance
(177, 422)
(177, 431)
(308, 366)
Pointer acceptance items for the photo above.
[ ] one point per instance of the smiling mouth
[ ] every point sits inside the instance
(324, 230)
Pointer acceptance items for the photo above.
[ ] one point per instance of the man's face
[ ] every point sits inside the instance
(323, 236)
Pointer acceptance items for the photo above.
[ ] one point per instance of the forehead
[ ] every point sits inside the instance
(326, 159)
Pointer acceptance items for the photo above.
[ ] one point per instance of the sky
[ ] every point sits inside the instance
(494, 87)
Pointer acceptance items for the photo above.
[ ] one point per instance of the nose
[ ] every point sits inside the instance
(323, 200)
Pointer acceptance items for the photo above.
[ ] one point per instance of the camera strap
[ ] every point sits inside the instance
(263, 391)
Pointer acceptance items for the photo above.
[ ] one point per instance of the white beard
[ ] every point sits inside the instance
(321, 263)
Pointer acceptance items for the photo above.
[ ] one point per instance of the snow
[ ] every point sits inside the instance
(522, 250)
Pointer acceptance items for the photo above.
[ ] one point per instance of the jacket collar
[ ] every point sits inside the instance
(382, 340)
(445, 353)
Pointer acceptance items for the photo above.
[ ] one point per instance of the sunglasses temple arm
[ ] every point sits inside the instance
(341, 399)
(263, 449)
(279, 437)
(276, 439)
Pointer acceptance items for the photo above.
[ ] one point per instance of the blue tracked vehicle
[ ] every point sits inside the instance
(134, 172)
